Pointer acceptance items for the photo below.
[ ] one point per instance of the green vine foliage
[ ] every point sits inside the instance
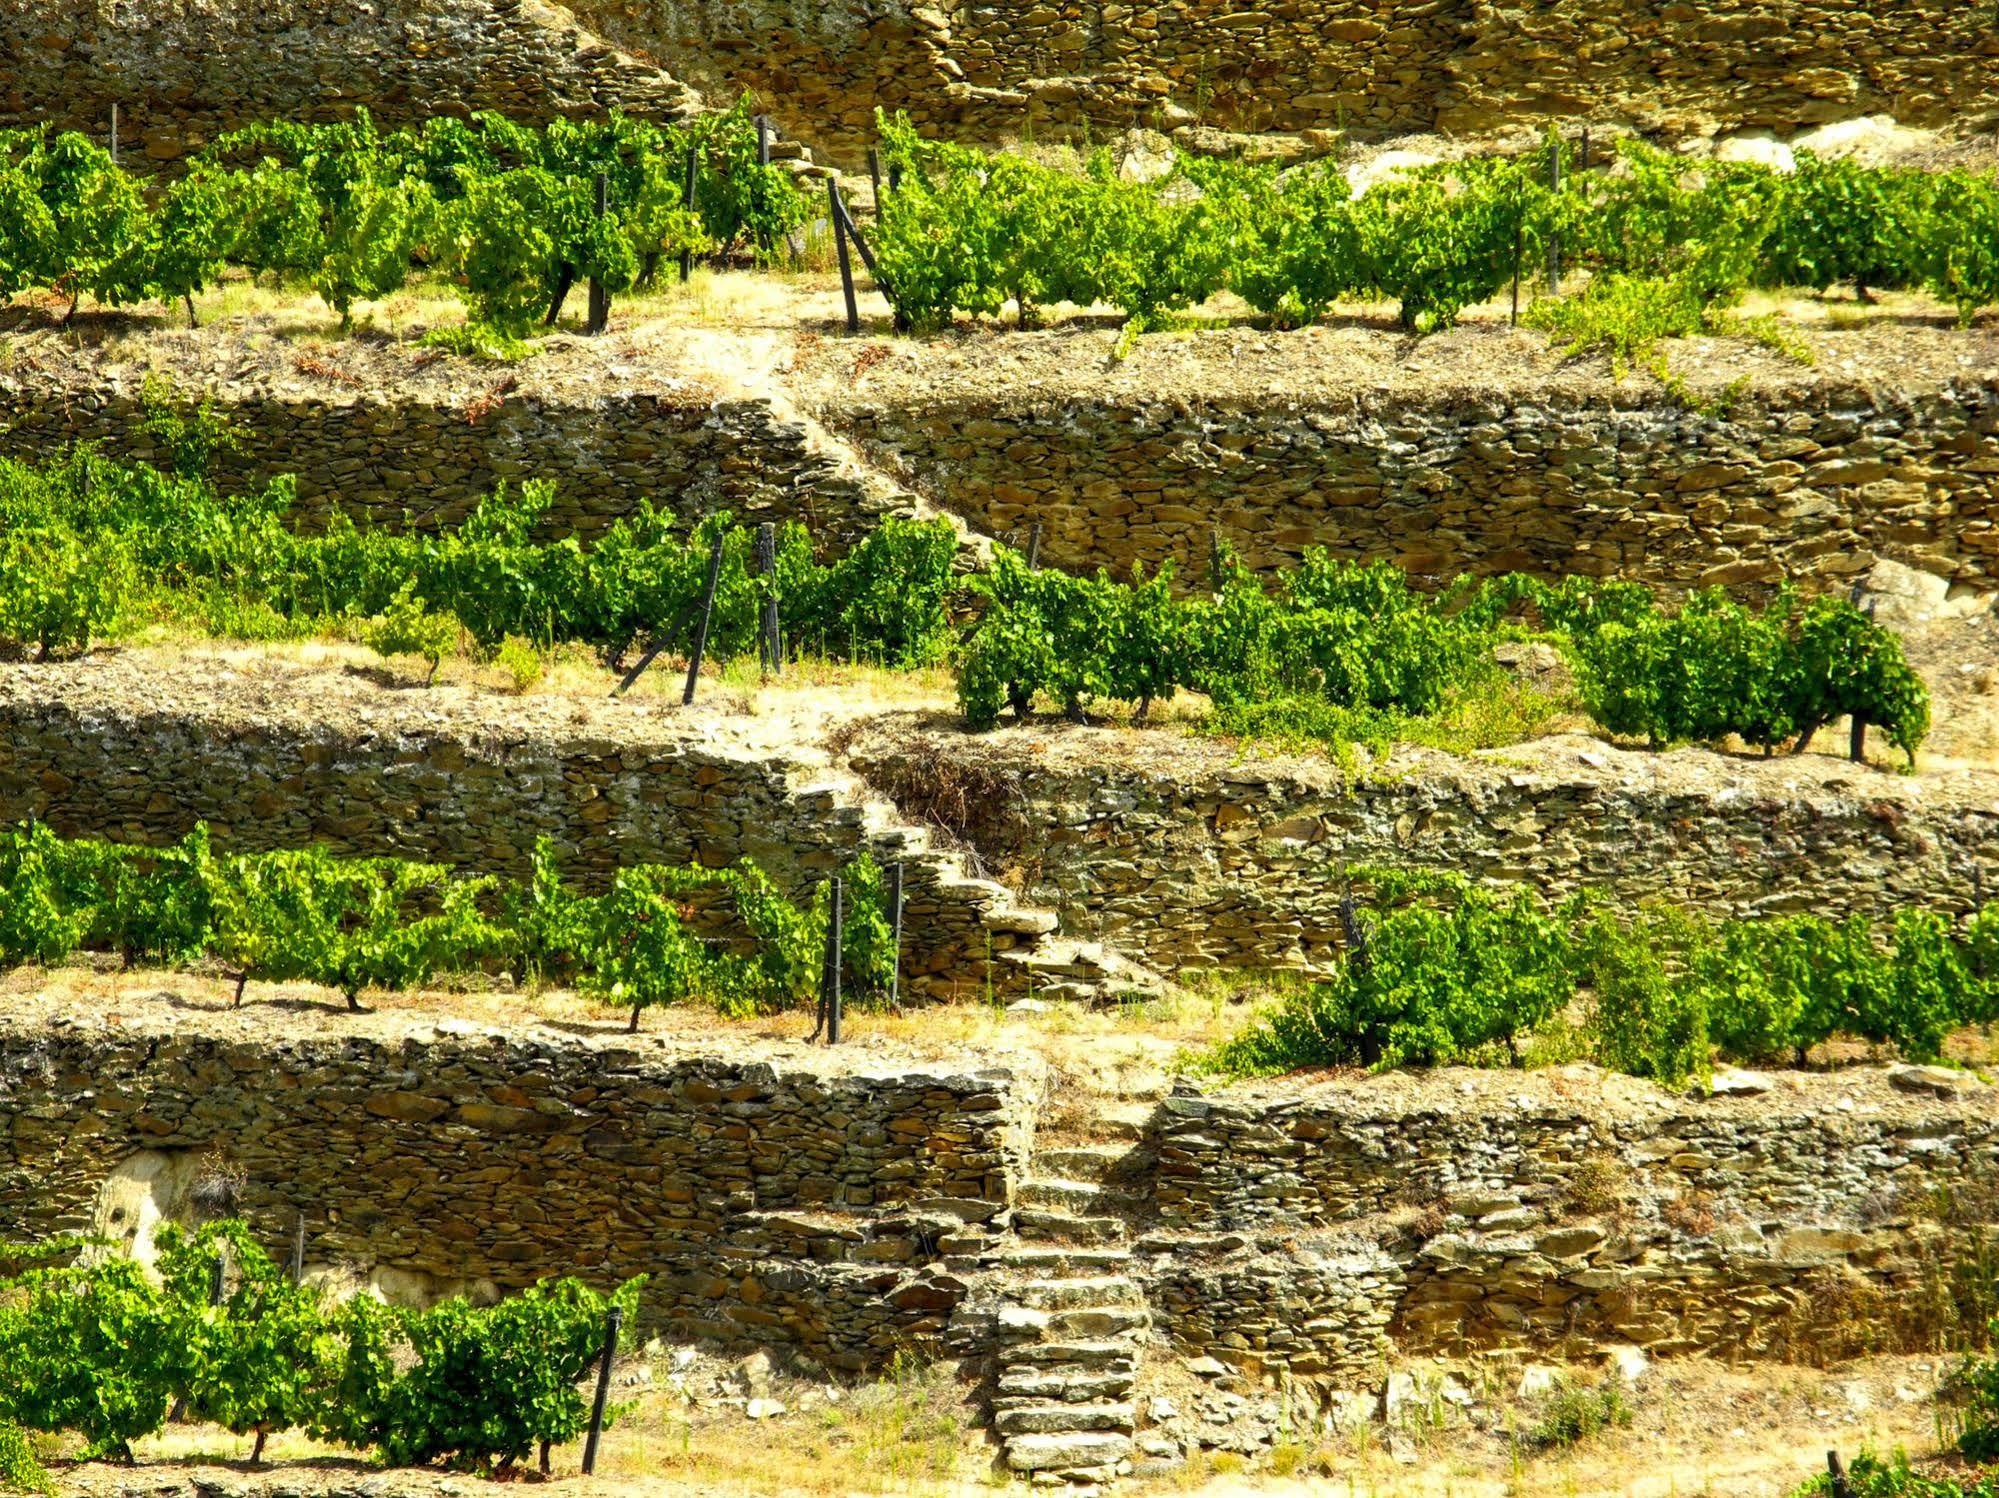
(95, 1347)
(487, 1385)
(1359, 637)
(661, 935)
(259, 1361)
(89, 1348)
(1873, 1476)
(21, 1470)
(508, 210)
(88, 545)
(1441, 971)
(1716, 667)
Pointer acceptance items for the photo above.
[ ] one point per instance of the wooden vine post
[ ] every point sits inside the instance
(859, 241)
(614, 1320)
(762, 123)
(600, 299)
(707, 618)
(895, 934)
(687, 202)
(837, 220)
(1554, 234)
(770, 638)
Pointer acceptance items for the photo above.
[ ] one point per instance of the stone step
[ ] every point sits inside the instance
(1089, 966)
(1067, 1451)
(1061, 1227)
(1111, 1356)
(1077, 1197)
(1094, 1322)
(1085, 1290)
(1126, 1121)
(1040, 1386)
(1046, 1419)
(1052, 1262)
(1019, 921)
(1080, 1162)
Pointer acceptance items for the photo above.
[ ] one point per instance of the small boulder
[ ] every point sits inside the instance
(1628, 1363)
(1936, 1081)
(752, 1375)
(1729, 1081)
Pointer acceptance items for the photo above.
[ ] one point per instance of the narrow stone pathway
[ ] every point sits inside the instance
(1074, 1323)
(1012, 947)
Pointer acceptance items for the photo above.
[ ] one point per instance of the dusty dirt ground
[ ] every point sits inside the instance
(744, 332)
(1696, 1428)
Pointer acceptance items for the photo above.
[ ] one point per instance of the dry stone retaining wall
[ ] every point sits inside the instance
(395, 455)
(790, 1198)
(1813, 482)
(184, 71)
(140, 749)
(772, 1200)
(1184, 852)
(1002, 67)
(1523, 1211)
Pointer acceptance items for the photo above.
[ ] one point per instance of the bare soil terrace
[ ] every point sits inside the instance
(748, 331)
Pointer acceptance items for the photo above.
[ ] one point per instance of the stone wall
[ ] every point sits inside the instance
(1188, 852)
(139, 747)
(184, 71)
(848, 1204)
(780, 1198)
(1004, 67)
(429, 456)
(1533, 1210)
(1813, 480)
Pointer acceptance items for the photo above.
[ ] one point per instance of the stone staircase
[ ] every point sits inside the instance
(1073, 1323)
(991, 944)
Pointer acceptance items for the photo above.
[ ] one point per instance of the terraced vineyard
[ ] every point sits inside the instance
(1146, 814)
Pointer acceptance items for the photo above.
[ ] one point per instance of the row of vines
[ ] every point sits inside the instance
(1667, 240)
(91, 548)
(95, 1347)
(659, 935)
(1438, 971)
(507, 211)
(1356, 648)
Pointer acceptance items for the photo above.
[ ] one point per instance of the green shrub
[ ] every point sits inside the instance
(408, 627)
(1575, 1412)
(487, 1385)
(1871, 1476)
(1443, 972)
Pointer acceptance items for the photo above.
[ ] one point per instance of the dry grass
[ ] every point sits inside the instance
(1698, 1428)
(1115, 1050)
